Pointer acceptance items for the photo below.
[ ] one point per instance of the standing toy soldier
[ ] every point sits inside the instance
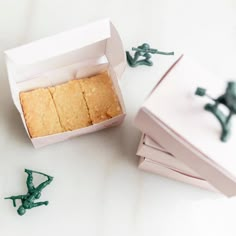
(34, 193)
(143, 51)
(228, 99)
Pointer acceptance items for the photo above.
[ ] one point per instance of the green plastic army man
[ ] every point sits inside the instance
(34, 193)
(228, 99)
(144, 51)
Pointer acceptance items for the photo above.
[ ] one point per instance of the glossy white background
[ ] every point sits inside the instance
(98, 189)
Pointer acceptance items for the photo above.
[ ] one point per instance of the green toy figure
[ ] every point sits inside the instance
(228, 99)
(27, 200)
(143, 51)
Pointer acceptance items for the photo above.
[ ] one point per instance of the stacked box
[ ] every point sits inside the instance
(175, 119)
(155, 159)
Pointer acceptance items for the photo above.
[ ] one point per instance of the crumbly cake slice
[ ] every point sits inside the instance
(70, 105)
(100, 97)
(40, 113)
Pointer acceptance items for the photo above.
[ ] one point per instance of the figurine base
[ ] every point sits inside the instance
(133, 63)
(225, 134)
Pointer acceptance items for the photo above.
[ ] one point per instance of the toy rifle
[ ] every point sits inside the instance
(36, 172)
(152, 51)
(202, 92)
(13, 198)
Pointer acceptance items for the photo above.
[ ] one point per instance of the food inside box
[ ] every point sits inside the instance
(69, 106)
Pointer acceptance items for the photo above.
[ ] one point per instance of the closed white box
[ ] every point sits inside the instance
(175, 118)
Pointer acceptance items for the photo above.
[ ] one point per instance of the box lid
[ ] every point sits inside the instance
(95, 41)
(189, 132)
(60, 43)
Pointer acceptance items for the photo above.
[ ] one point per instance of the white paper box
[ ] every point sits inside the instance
(156, 168)
(154, 158)
(80, 52)
(175, 118)
(155, 153)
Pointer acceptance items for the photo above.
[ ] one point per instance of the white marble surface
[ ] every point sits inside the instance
(98, 189)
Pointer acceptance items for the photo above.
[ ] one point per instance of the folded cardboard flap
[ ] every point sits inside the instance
(151, 143)
(61, 43)
(115, 52)
(79, 45)
(80, 56)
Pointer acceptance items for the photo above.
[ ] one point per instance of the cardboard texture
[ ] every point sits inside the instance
(175, 118)
(155, 159)
(78, 53)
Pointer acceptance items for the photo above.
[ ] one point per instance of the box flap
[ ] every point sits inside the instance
(91, 42)
(151, 143)
(181, 113)
(61, 43)
(115, 52)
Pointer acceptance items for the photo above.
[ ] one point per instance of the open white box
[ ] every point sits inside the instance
(81, 52)
(156, 159)
(175, 118)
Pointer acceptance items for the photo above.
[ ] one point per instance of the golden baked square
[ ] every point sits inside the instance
(40, 113)
(70, 105)
(101, 98)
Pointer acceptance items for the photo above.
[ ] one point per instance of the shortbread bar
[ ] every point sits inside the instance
(70, 105)
(40, 113)
(100, 97)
